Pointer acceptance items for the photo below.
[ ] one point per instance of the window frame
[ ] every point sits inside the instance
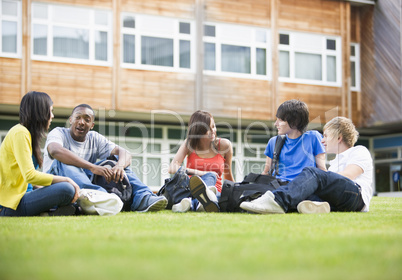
(138, 31)
(356, 60)
(253, 45)
(18, 20)
(91, 28)
(292, 50)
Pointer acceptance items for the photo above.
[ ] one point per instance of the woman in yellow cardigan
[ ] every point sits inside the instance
(19, 150)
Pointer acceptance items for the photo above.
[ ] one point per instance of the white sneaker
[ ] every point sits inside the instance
(265, 204)
(203, 194)
(183, 206)
(213, 189)
(211, 193)
(313, 207)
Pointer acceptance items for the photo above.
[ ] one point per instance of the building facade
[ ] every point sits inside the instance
(146, 66)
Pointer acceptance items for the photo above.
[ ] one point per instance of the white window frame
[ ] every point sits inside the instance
(141, 30)
(292, 49)
(356, 60)
(91, 29)
(18, 20)
(252, 44)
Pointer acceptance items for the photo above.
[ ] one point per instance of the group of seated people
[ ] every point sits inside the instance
(71, 158)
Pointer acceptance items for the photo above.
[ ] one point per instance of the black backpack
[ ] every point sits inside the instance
(122, 189)
(175, 188)
(253, 186)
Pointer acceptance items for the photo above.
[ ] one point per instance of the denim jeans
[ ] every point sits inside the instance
(82, 178)
(341, 193)
(40, 200)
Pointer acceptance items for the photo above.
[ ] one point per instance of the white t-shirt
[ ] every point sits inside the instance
(361, 157)
(95, 146)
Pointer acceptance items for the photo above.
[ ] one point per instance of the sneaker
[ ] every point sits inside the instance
(203, 194)
(313, 207)
(152, 203)
(200, 208)
(183, 206)
(265, 204)
(68, 210)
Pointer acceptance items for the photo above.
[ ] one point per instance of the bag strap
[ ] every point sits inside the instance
(280, 140)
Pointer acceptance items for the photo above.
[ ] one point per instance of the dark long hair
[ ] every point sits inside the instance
(198, 126)
(35, 115)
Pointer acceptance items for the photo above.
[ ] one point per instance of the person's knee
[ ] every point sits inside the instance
(67, 189)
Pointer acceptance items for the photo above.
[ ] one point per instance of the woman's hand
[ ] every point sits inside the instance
(76, 187)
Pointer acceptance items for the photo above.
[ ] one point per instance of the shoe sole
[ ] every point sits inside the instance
(156, 206)
(198, 191)
(68, 210)
(313, 207)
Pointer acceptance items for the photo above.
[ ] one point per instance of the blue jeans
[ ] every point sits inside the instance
(40, 200)
(341, 193)
(82, 178)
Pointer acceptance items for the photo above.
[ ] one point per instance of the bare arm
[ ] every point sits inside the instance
(351, 171)
(123, 162)
(227, 172)
(320, 161)
(65, 156)
(178, 161)
(267, 167)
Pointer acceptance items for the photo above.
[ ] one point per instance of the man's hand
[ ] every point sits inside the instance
(103, 171)
(118, 173)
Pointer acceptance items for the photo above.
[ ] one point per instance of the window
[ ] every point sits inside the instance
(71, 34)
(10, 27)
(157, 43)
(355, 67)
(235, 50)
(309, 58)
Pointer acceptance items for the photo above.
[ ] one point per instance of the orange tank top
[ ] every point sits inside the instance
(215, 163)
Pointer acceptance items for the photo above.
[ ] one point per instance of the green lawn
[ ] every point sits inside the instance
(166, 245)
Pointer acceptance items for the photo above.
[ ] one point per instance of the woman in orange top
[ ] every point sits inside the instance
(208, 157)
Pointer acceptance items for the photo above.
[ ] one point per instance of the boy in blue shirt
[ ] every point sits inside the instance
(301, 148)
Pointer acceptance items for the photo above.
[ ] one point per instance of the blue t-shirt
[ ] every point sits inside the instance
(296, 153)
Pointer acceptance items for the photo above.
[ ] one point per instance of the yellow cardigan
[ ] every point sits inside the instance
(17, 168)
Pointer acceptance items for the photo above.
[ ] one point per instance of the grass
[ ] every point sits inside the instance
(165, 245)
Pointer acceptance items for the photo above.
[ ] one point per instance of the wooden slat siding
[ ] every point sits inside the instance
(116, 70)
(72, 84)
(249, 12)
(381, 64)
(319, 99)
(178, 8)
(10, 80)
(310, 16)
(26, 47)
(143, 91)
(275, 58)
(367, 61)
(225, 96)
(102, 4)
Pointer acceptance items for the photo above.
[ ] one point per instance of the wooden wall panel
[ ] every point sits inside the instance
(176, 8)
(143, 91)
(10, 80)
(310, 16)
(223, 97)
(380, 63)
(319, 99)
(252, 12)
(106, 4)
(73, 84)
